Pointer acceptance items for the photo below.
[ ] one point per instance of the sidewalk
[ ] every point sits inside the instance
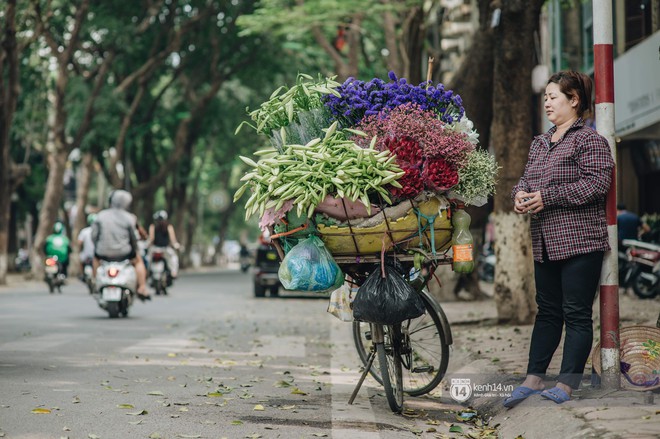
(495, 353)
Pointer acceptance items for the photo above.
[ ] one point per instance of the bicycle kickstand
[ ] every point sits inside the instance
(367, 368)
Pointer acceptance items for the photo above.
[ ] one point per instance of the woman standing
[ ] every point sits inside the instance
(564, 186)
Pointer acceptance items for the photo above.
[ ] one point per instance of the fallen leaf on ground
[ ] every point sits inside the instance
(40, 411)
(287, 407)
(171, 355)
(297, 391)
(125, 406)
(188, 436)
(136, 422)
(156, 393)
(140, 413)
(155, 435)
(282, 383)
(214, 394)
(456, 429)
(93, 436)
(259, 408)
(236, 422)
(76, 400)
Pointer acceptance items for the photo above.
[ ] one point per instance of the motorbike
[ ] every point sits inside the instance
(644, 268)
(116, 284)
(245, 259)
(159, 275)
(54, 274)
(486, 265)
(88, 275)
(22, 261)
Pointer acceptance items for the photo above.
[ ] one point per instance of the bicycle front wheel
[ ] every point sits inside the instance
(389, 360)
(427, 357)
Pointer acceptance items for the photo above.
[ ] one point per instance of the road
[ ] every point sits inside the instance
(207, 361)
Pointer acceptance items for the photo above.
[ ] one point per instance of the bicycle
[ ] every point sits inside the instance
(410, 357)
(420, 347)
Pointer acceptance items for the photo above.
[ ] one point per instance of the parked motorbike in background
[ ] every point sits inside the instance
(486, 265)
(116, 284)
(159, 275)
(54, 274)
(643, 268)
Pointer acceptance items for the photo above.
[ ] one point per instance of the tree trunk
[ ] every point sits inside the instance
(476, 91)
(412, 44)
(9, 90)
(511, 135)
(393, 59)
(50, 206)
(82, 194)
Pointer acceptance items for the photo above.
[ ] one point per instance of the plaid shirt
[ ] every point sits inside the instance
(574, 177)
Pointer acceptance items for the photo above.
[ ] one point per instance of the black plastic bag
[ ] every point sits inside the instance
(387, 300)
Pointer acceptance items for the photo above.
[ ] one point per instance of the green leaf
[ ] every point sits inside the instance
(455, 429)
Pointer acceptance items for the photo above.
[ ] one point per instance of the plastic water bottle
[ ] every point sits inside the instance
(461, 240)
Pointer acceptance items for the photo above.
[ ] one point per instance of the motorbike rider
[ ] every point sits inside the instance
(114, 234)
(57, 244)
(161, 234)
(86, 244)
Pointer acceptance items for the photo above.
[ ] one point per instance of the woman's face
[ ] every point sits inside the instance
(559, 108)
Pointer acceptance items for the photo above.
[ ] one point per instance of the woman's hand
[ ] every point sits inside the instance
(528, 202)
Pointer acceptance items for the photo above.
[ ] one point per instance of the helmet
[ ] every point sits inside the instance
(91, 218)
(58, 227)
(120, 199)
(161, 215)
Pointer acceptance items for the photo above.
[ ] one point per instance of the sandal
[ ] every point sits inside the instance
(518, 395)
(556, 394)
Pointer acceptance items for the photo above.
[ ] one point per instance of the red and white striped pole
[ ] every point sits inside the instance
(609, 282)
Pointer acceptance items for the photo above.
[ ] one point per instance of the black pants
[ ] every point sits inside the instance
(565, 292)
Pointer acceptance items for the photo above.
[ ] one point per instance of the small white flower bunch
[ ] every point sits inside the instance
(466, 127)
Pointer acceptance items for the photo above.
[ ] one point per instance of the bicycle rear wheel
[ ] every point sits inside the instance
(426, 360)
(389, 360)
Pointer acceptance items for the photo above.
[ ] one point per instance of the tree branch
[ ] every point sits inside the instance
(89, 106)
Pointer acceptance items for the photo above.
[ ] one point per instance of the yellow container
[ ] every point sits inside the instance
(403, 231)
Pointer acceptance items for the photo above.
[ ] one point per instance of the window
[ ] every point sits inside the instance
(639, 21)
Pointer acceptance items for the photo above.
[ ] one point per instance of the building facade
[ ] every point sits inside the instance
(568, 44)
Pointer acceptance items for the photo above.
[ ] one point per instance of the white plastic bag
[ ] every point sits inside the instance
(340, 304)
